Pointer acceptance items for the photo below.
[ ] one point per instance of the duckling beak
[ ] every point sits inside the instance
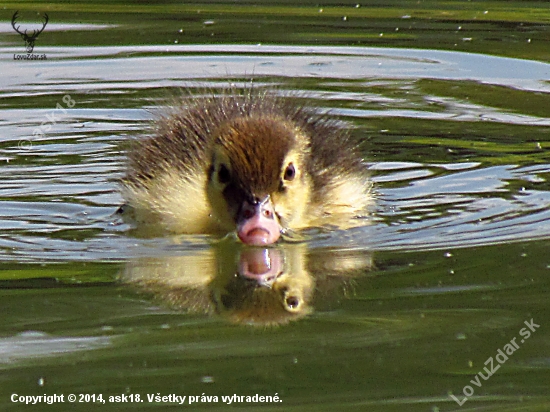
(257, 223)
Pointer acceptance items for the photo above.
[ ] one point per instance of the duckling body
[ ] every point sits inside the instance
(253, 163)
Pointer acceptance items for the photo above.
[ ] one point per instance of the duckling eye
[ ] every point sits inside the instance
(223, 174)
(290, 172)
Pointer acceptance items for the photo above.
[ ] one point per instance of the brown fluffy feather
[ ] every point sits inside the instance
(257, 128)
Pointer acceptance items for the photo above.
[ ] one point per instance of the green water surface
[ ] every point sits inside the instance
(400, 315)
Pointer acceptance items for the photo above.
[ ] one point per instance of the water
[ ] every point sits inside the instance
(395, 315)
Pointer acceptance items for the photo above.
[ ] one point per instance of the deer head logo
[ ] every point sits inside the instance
(29, 38)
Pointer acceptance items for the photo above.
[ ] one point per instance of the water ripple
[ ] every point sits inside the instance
(58, 192)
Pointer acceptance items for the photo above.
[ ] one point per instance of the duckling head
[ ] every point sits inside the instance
(257, 179)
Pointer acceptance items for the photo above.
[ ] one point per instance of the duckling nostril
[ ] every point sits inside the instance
(248, 213)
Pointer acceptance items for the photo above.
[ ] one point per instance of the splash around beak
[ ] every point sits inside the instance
(257, 223)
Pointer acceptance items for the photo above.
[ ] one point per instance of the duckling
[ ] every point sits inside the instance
(253, 163)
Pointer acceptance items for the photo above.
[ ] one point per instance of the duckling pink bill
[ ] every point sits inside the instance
(257, 223)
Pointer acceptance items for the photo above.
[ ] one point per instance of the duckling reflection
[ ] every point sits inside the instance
(246, 285)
